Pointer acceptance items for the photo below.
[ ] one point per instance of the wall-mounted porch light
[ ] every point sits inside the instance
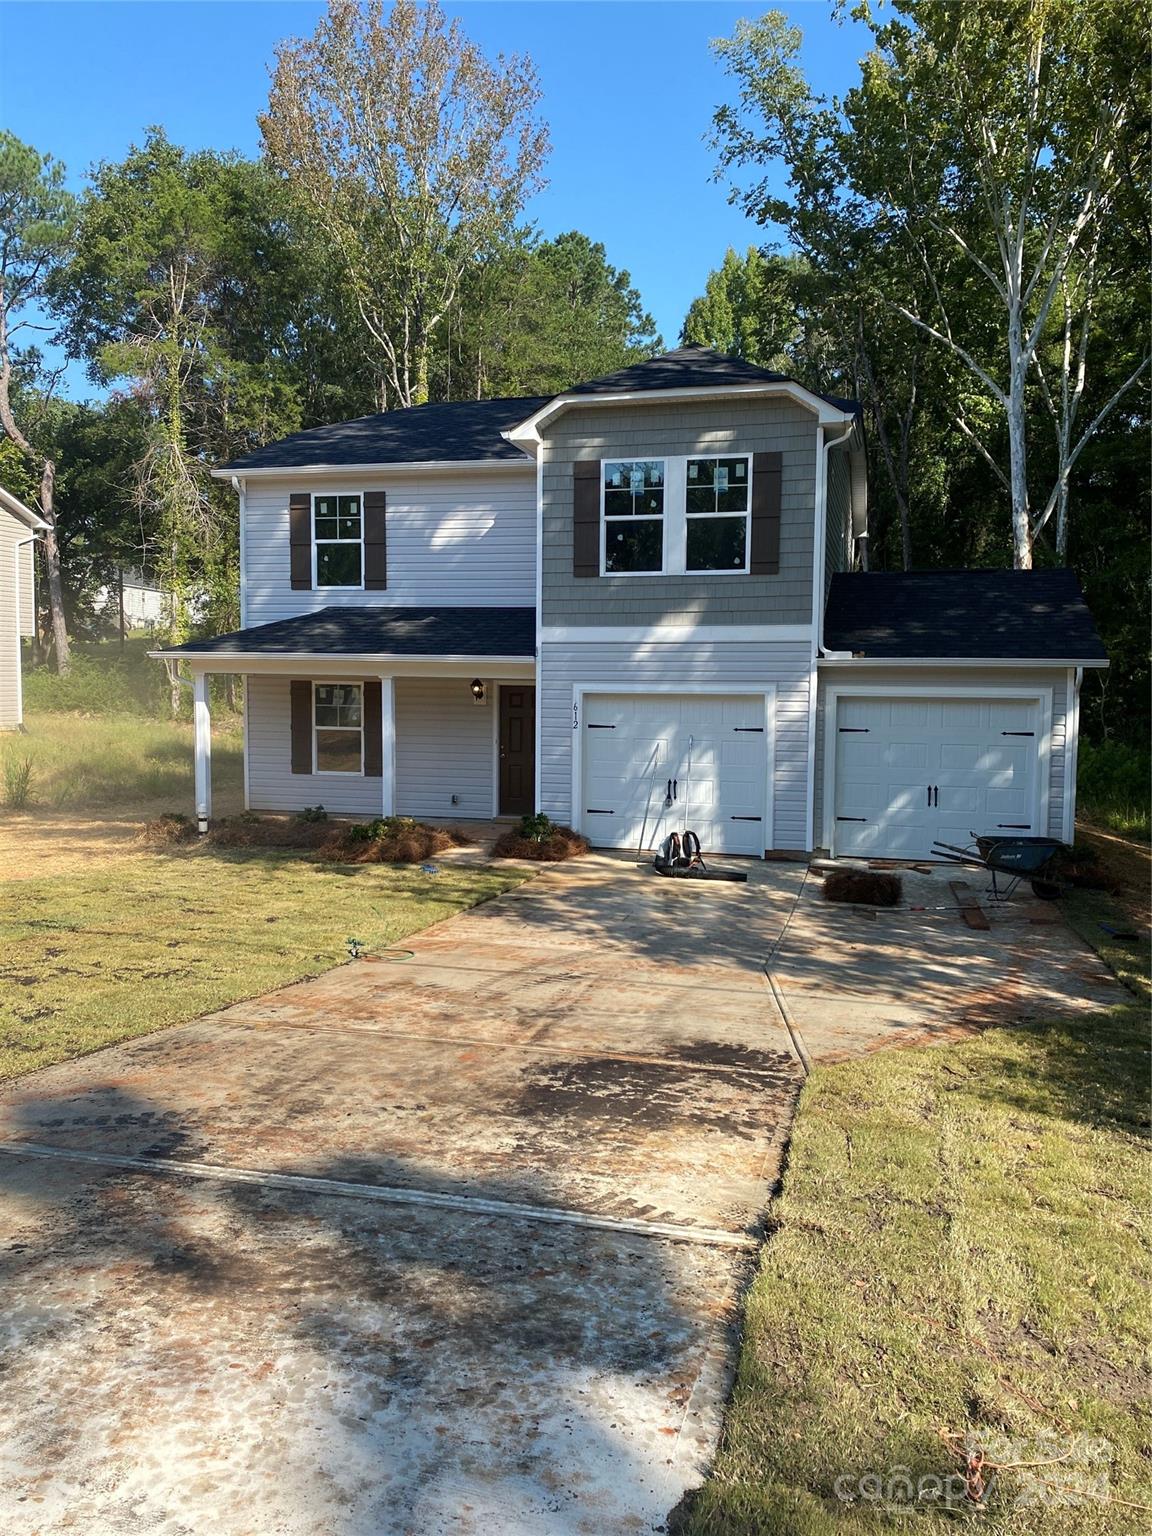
(476, 687)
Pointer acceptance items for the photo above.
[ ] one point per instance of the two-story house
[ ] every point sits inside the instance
(637, 606)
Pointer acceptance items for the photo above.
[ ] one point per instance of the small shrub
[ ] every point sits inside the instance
(550, 845)
(312, 813)
(863, 886)
(18, 777)
(171, 827)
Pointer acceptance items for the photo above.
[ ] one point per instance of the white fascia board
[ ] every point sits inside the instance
(673, 634)
(527, 434)
(17, 508)
(956, 661)
(406, 467)
(277, 661)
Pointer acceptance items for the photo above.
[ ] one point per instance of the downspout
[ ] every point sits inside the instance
(822, 544)
(21, 544)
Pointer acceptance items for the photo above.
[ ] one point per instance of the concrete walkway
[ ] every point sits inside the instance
(451, 1241)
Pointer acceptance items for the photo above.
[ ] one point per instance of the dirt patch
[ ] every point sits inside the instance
(865, 886)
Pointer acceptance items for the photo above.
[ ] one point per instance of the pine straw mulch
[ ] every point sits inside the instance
(556, 845)
(394, 840)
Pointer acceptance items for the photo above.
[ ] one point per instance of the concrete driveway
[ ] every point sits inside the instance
(451, 1242)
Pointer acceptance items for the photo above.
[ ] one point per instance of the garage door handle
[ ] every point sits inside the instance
(590, 812)
(1013, 826)
(1017, 733)
(675, 788)
(851, 818)
(746, 818)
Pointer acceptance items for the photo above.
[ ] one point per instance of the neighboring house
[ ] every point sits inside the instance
(19, 529)
(635, 606)
(134, 601)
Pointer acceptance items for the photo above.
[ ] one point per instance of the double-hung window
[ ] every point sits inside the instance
(338, 536)
(633, 515)
(338, 728)
(717, 508)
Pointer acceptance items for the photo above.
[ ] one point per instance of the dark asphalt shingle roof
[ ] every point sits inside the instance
(470, 429)
(465, 429)
(691, 368)
(983, 614)
(380, 631)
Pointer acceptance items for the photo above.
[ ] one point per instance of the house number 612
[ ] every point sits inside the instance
(575, 716)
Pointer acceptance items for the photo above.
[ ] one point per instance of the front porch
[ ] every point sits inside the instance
(429, 713)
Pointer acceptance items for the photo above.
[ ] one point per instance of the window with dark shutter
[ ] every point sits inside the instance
(375, 541)
(373, 727)
(586, 517)
(767, 475)
(300, 534)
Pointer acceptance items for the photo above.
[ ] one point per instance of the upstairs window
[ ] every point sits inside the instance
(634, 515)
(338, 733)
(717, 507)
(338, 537)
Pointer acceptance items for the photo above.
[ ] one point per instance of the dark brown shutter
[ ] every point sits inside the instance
(301, 726)
(375, 543)
(300, 532)
(586, 517)
(767, 473)
(373, 726)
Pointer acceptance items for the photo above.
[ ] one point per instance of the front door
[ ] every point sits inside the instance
(517, 750)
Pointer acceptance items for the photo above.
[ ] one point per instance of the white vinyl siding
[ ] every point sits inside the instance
(453, 539)
(272, 786)
(444, 746)
(692, 666)
(13, 531)
(995, 679)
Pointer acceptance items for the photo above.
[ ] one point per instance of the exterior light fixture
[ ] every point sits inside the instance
(477, 690)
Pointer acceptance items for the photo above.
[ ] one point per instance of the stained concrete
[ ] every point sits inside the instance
(190, 1353)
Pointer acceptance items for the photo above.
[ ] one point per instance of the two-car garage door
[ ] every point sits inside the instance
(910, 771)
(658, 763)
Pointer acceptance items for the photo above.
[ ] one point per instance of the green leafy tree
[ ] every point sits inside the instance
(36, 221)
(414, 155)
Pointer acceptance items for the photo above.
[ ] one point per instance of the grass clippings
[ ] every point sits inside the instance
(863, 887)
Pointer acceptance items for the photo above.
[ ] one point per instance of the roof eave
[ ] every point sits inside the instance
(864, 660)
(26, 515)
(526, 435)
(397, 466)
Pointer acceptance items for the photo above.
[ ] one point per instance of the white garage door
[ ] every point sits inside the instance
(658, 763)
(913, 771)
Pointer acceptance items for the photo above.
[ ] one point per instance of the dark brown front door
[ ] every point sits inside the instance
(517, 750)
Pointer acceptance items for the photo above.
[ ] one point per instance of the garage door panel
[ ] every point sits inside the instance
(713, 746)
(914, 771)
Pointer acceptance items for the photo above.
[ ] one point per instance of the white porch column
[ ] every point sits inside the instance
(388, 746)
(202, 738)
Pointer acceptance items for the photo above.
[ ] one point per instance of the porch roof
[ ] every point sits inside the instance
(457, 633)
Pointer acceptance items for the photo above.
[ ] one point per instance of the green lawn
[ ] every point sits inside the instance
(81, 761)
(961, 1256)
(134, 944)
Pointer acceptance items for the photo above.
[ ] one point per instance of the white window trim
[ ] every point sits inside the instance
(337, 773)
(739, 690)
(1041, 697)
(352, 586)
(675, 517)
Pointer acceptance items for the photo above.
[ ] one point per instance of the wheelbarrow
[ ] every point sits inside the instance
(1014, 858)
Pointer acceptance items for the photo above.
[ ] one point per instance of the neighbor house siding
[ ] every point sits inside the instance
(465, 541)
(837, 515)
(695, 428)
(272, 786)
(753, 664)
(13, 531)
(997, 678)
(444, 747)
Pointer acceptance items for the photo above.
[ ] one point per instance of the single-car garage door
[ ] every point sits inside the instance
(658, 763)
(912, 771)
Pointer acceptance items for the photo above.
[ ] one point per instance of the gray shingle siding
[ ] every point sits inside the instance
(652, 430)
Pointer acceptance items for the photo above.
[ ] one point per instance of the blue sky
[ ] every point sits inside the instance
(629, 91)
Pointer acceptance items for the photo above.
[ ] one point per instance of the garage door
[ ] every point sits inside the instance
(913, 771)
(658, 763)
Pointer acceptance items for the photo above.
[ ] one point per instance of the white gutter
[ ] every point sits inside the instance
(400, 467)
(819, 573)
